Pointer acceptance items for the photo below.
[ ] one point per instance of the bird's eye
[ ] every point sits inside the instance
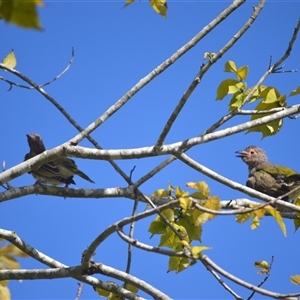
(252, 151)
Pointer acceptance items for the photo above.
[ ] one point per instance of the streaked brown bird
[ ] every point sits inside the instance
(56, 172)
(268, 178)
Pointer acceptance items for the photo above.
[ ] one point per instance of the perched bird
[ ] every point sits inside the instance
(268, 178)
(56, 172)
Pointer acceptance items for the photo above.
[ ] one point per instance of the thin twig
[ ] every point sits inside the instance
(265, 279)
(11, 83)
(208, 262)
(79, 291)
(226, 287)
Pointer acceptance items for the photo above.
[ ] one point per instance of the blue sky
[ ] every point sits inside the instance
(114, 49)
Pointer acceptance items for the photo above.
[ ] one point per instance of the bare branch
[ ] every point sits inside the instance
(114, 227)
(226, 287)
(208, 262)
(205, 68)
(289, 48)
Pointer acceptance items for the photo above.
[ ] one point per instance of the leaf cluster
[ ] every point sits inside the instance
(267, 97)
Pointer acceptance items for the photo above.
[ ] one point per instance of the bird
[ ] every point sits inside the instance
(57, 172)
(270, 179)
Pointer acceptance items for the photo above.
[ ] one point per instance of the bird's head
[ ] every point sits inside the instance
(35, 143)
(252, 155)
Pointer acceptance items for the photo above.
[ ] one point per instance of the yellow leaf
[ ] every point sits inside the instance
(241, 218)
(269, 92)
(168, 239)
(202, 187)
(180, 193)
(260, 213)
(199, 217)
(236, 100)
(214, 204)
(4, 291)
(270, 128)
(101, 292)
(255, 222)
(157, 227)
(295, 279)
(295, 92)
(128, 2)
(13, 250)
(257, 94)
(230, 66)
(271, 96)
(9, 262)
(168, 214)
(178, 264)
(183, 243)
(277, 216)
(160, 193)
(261, 264)
(131, 288)
(10, 60)
(242, 73)
(228, 86)
(194, 232)
(197, 251)
(182, 231)
(21, 13)
(160, 6)
(185, 204)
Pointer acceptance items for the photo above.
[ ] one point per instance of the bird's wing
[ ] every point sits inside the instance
(50, 171)
(264, 182)
(68, 166)
(280, 173)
